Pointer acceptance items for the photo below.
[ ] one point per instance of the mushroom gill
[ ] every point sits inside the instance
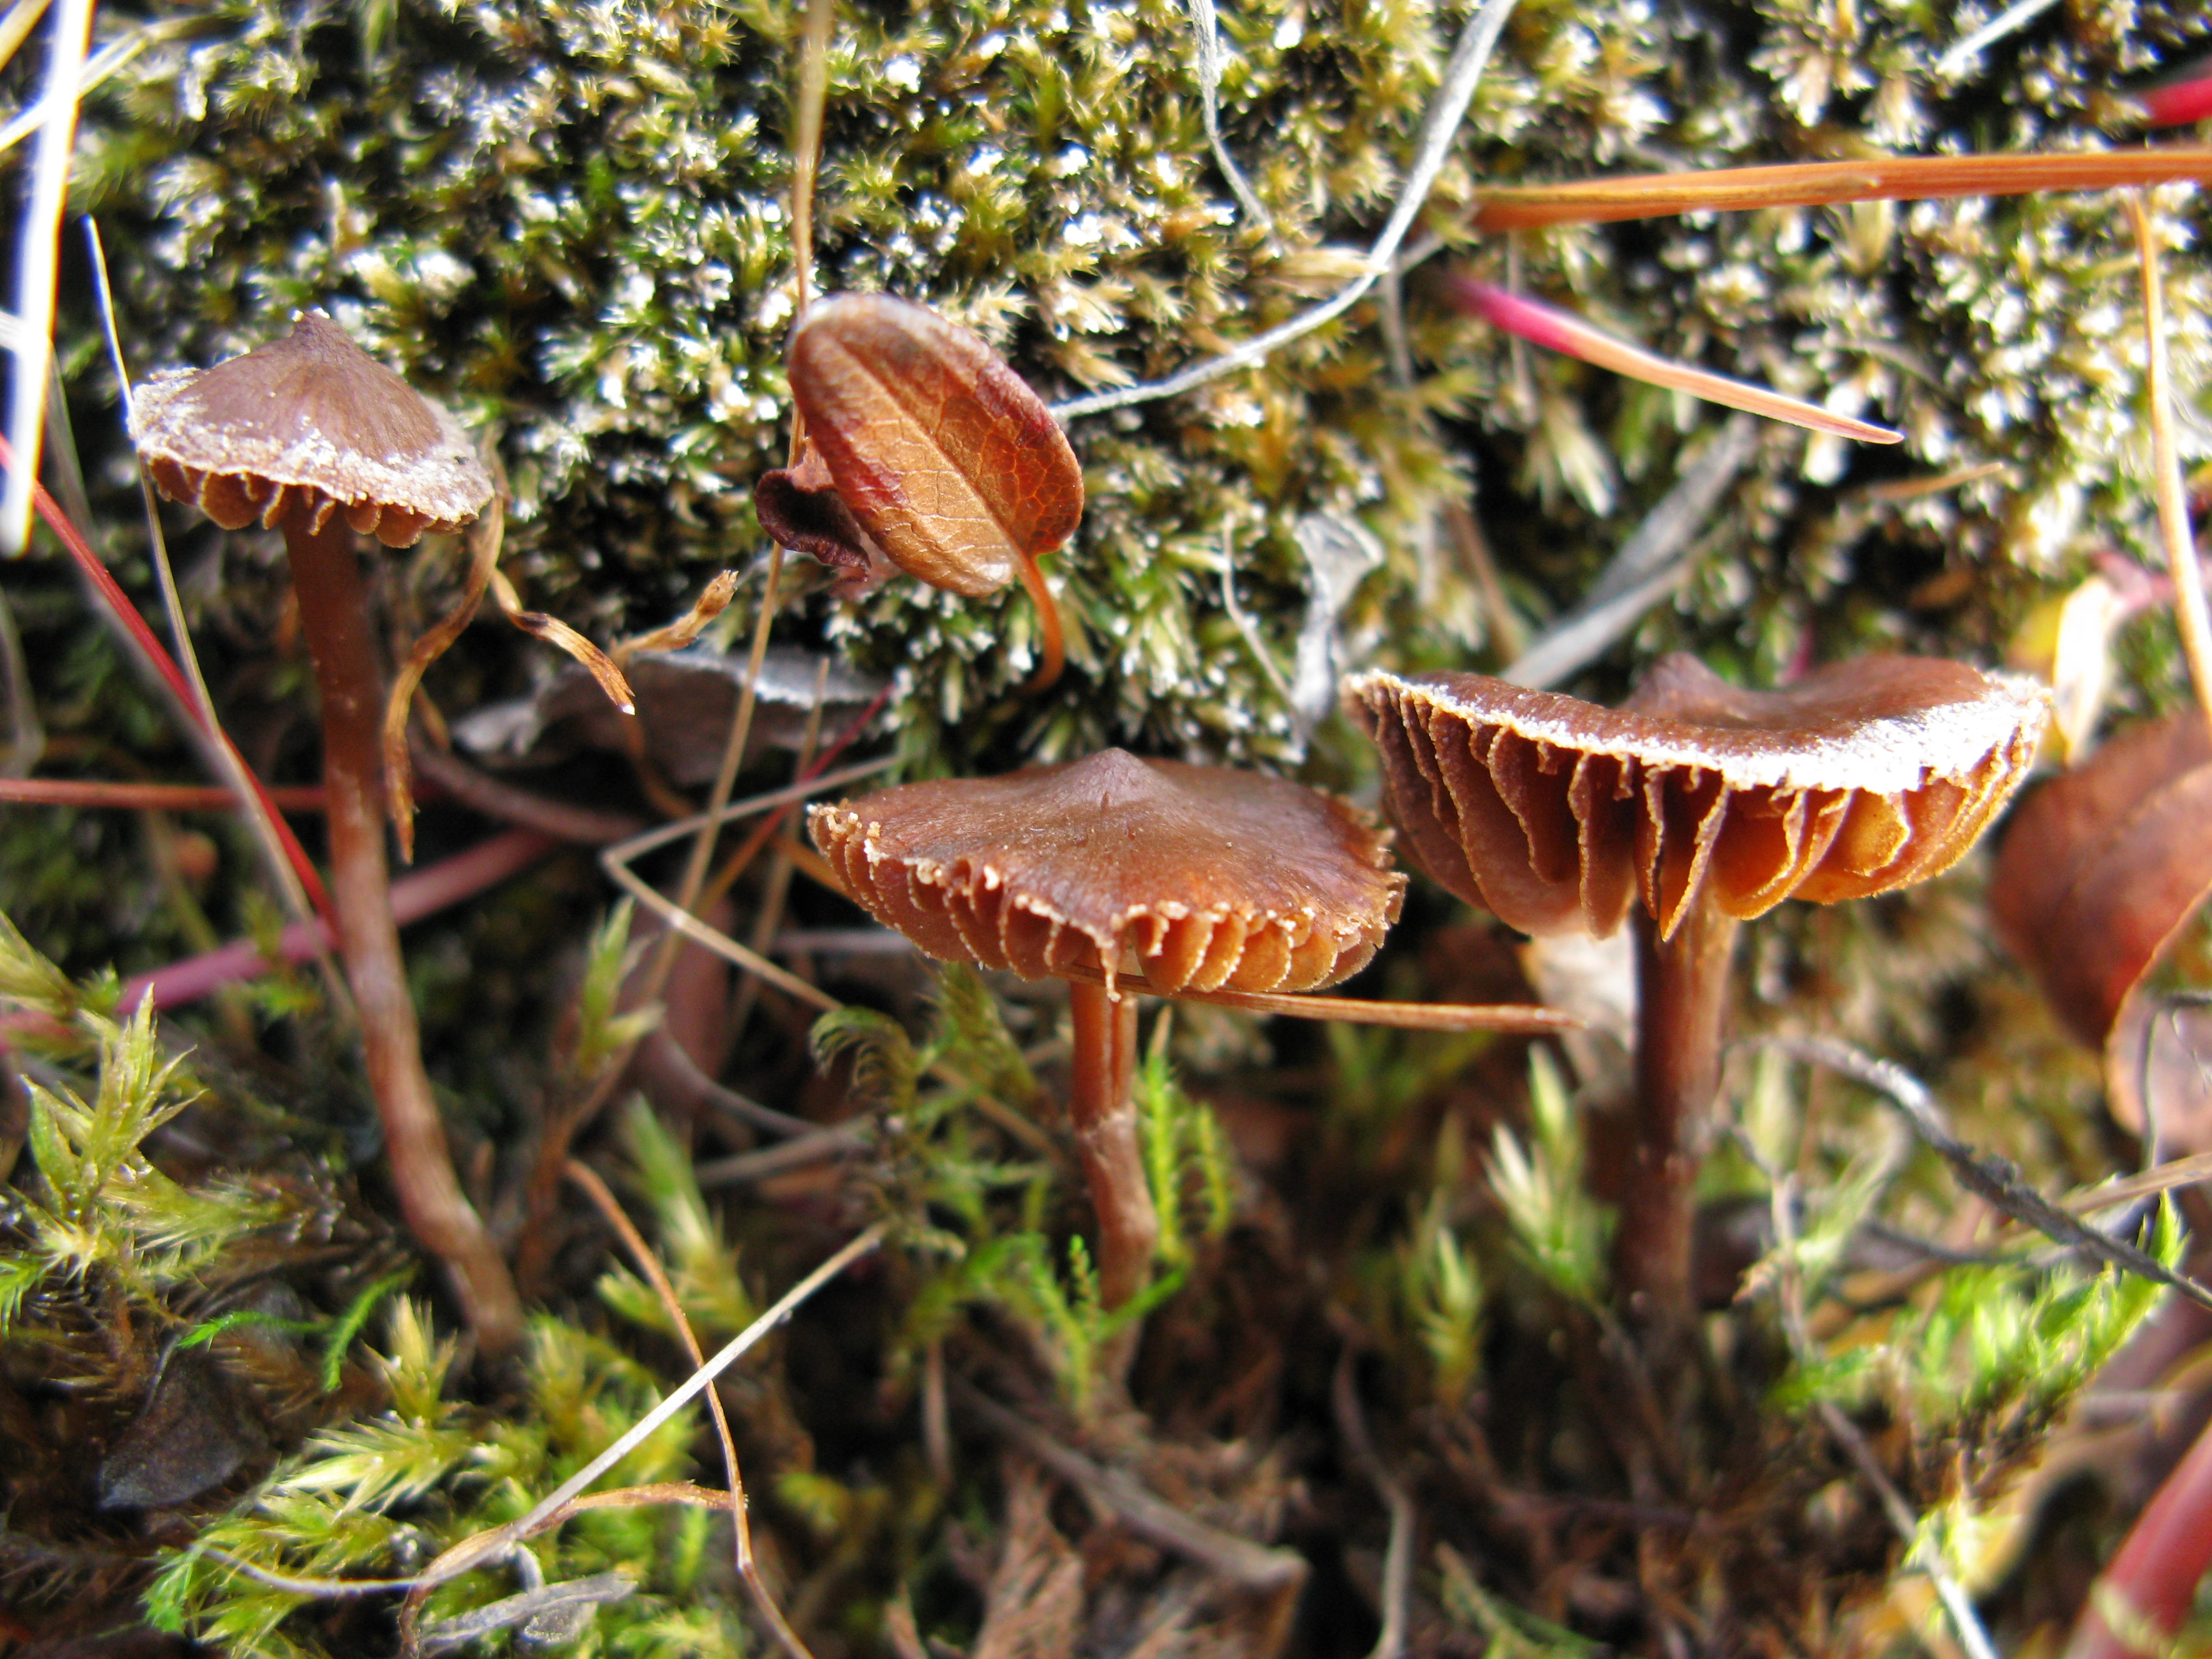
(1199, 877)
(1556, 813)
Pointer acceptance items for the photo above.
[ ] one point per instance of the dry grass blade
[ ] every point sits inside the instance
(2189, 611)
(38, 252)
(299, 888)
(481, 539)
(649, 1265)
(485, 1546)
(17, 26)
(1820, 184)
(556, 633)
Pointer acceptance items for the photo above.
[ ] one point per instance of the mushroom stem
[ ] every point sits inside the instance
(334, 617)
(1104, 1117)
(1052, 649)
(1681, 986)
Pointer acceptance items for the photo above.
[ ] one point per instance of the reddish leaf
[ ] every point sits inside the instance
(2100, 870)
(943, 455)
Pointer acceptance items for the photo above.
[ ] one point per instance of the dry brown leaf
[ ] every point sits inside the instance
(943, 455)
(2100, 870)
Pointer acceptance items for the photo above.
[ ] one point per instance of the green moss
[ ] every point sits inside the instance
(571, 220)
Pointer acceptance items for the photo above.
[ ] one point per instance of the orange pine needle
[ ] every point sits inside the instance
(1814, 184)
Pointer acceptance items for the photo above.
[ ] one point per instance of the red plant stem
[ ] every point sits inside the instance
(418, 894)
(1681, 987)
(146, 797)
(105, 584)
(1814, 184)
(2178, 102)
(2151, 1584)
(1104, 1113)
(334, 617)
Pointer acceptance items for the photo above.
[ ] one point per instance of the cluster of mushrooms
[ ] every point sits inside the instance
(1695, 807)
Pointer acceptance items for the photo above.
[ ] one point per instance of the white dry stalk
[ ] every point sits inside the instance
(734, 1350)
(2010, 19)
(1438, 130)
(1209, 87)
(503, 1543)
(38, 247)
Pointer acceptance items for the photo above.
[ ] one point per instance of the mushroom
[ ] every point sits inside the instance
(1703, 805)
(921, 445)
(313, 438)
(1109, 869)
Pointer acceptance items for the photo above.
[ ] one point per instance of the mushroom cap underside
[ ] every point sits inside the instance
(1555, 814)
(309, 424)
(1206, 878)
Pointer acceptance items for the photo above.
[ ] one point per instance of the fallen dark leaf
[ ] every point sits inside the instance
(685, 701)
(192, 1435)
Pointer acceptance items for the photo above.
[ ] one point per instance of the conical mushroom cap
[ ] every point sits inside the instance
(1204, 876)
(1556, 813)
(308, 423)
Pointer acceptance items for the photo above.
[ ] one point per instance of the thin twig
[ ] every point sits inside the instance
(1438, 130)
(797, 1153)
(1986, 1176)
(148, 797)
(2189, 611)
(1651, 564)
(584, 826)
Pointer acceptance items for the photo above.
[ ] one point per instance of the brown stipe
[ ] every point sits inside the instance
(1195, 878)
(1703, 805)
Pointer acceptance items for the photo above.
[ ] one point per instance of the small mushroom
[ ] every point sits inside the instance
(1098, 871)
(313, 438)
(1702, 804)
(923, 448)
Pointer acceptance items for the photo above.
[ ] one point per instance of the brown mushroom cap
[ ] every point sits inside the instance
(1213, 879)
(942, 454)
(310, 421)
(1555, 813)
